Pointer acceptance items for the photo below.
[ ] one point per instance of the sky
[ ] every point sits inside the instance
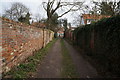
(35, 7)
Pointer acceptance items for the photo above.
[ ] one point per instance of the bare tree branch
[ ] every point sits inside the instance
(66, 12)
(44, 6)
(52, 6)
(16, 11)
(58, 5)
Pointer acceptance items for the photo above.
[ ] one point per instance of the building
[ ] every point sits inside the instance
(60, 32)
(89, 18)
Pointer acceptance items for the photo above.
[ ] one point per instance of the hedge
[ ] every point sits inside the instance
(101, 41)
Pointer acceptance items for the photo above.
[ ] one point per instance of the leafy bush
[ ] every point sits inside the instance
(101, 41)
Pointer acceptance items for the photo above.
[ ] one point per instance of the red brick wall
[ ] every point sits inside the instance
(19, 41)
(0, 46)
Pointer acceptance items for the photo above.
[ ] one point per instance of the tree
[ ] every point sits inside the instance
(54, 21)
(95, 9)
(69, 24)
(65, 24)
(16, 11)
(25, 19)
(118, 8)
(108, 8)
(21, 19)
(52, 6)
(60, 22)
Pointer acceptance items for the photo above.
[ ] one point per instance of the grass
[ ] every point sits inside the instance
(68, 69)
(25, 70)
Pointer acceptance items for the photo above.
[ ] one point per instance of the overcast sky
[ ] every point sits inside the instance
(35, 7)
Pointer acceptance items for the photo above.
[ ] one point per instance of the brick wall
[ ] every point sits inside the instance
(0, 47)
(20, 41)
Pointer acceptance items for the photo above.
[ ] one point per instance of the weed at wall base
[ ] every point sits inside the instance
(26, 69)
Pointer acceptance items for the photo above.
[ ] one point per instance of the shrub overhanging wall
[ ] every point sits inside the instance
(101, 41)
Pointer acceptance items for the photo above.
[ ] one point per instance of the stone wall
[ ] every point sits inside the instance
(20, 41)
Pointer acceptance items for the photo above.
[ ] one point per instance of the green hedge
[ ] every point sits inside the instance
(101, 41)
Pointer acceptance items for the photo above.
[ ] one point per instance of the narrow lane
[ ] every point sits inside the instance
(51, 66)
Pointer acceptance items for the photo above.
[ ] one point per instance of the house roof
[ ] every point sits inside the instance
(93, 16)
(60, 32)
(61, 29)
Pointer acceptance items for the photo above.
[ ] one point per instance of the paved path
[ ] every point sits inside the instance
(84, 69)
(51, 65)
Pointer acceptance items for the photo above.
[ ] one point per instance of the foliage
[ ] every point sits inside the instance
(100, 41)
(54, 22)
(25, 19)
(65, 24)
(107, 7)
